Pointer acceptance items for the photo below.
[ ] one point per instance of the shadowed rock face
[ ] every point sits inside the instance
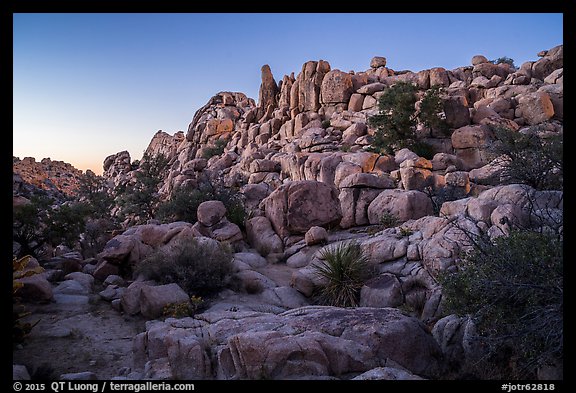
(303, 342)
(298, 206)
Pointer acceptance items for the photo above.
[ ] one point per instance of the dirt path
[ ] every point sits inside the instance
(77, 338)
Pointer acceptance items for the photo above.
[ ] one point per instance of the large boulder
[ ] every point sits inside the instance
(404, 205)
(535, 107)
(382, 291)
(297, 206)
(154, 299)
(262, 237)
(307, 342)
(211, 212)
(35, 288)
(337, 87)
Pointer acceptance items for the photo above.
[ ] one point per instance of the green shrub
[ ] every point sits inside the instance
(444, 194)
(405, 232)
(94, 191)
(65, 223)
(198, 267)
(346, 268)
(325, 123)
(215, 150)
(139, 199)
(423, 149)
(504, 60)
(513, 289)
(430, 109)
(389, 220)
(184, 202)
(395, 122)
(529, 159)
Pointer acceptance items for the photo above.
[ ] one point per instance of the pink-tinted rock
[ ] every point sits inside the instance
(336, 87)
(211, 212)
(262, 237)
(297, 206)
(404, 205)
(315, 235)
(154, 299)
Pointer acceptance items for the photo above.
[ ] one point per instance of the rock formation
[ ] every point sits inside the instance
(299, 160)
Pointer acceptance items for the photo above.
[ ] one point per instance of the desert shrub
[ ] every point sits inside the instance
(94, 191)
(139, 199)
(405, 232)
(97, 232)
(325, 123)
(513, 289)
(184, 309)
(184, 202)
(423, 149)
(39, 223)
(20, 329)
(198, 267)
(431, 108)
(215, 150)
(529, 159)
(345, 267)
(444, 194)
(27, 227)
(65, 223)
(389, 220)
(182, 205)
(504, 60)
(396, 121)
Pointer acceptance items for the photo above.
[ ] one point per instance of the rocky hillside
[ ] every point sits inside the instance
(299, 159)
(55, 176)
(315, 127)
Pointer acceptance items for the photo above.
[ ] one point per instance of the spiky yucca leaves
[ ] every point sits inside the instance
(346, 268)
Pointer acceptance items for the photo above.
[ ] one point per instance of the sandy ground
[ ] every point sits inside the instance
(78, 338)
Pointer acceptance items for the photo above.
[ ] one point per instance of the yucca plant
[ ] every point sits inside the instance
(346, 268)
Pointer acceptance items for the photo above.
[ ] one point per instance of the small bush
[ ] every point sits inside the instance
(184, 202)
(139, 200)
(184, 309)
(405, 232)
(396, 121)
(504, 60)
(513, 289)
(346, 268)
(198, 267)
(325, 123)
(389, 220)
(215, 150)
(529, 159)
(431, 108)
(423, 149)
(444, 194)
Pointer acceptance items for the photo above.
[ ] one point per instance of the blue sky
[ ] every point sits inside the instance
(90, 85)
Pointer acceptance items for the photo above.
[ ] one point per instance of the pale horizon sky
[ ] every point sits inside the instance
(90, 85)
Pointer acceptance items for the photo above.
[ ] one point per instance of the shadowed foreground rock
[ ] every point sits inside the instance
(307, 342)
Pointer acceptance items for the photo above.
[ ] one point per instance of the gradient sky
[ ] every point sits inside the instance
(90, 85)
